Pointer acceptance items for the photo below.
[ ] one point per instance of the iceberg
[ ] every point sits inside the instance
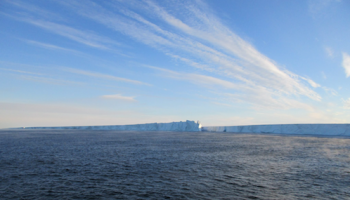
(187, 126)
(297, 129)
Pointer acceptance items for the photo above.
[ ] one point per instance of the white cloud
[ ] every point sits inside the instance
(222, 104)
(346, 103)
(311, 82)
(346, 64)
(103, 76)
(329, 51)
(208, 80)
(51, 46)
(264, 70)
(192, 63)
(319, 7)
(21, 71)
(323, 75)
(196, 37)
(330, 91)
(83, 37)
(259, 97)
(234, 57)
(225, 52)
(35, 76)
(53, 81)
(35, 10)
(198, 79)
(263, 99)
(118, 97)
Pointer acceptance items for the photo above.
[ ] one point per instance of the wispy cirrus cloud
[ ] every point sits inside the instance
(34, 10)
(266, 100)
(346, 103)
(48, 80)
(119, 97)
(324, 76)
(346, 64)
(222, 104)
(20, 71)
(318, 7)
(103, 76)
(195, 37)
(311, 82)
(44, 19)
(215, 48)
(258, 97)
(330, 91)
(192, 63)
(83, 37)
(202, 80)
(248, 63)
(51, 46)
(329, 51)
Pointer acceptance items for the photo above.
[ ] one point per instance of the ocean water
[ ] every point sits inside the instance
(80, 164)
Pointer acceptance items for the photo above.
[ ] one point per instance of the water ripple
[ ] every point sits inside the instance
(84, 164)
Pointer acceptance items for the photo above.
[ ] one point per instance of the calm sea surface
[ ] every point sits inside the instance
(80, 164)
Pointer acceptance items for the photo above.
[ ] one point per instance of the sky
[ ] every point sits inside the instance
(111, 62)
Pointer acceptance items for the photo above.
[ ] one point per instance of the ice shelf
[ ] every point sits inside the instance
(187, 126)
(190, 126)
(298, 129)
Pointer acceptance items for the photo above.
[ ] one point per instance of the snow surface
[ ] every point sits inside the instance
(299, 129)
(187, 126)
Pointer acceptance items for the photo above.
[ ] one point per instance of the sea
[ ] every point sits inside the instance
(85, 164)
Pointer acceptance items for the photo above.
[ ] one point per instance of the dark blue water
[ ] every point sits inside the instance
(80, 164)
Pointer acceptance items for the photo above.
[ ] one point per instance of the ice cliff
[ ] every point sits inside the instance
(190, 126)
(187, 126)
(299, 129)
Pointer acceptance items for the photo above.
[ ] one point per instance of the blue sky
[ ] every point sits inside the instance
(220, 62)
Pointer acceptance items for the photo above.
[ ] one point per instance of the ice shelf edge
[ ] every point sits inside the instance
(186, 126)
(297, 129)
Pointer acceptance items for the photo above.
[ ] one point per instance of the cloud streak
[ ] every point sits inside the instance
(346, 64)
(51, 46)
(195, 37)
(119, 97)
(53, 81)
(83, 37)
(103, 76)
(346, 103)
(329, 51)
(20, 71)
(35, 10)
(202, 80)
(218, 49)
(43, 19)
(318, 7)
(237, 93)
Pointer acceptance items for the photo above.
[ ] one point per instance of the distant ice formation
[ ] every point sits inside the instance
(187, 126)
(190, 126)
(300, 129)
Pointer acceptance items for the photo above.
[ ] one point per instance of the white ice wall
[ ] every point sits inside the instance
(310, 129)
(173, 126)
(188, 126)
